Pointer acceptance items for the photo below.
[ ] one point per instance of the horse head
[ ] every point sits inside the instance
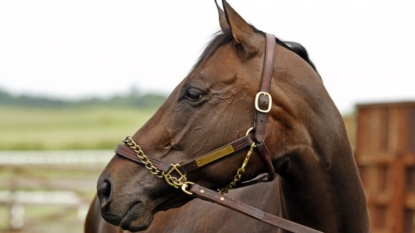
(213, 106)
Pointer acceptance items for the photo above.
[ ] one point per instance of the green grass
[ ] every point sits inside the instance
(68, 128)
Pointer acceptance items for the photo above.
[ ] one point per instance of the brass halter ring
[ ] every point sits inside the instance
(249, 130)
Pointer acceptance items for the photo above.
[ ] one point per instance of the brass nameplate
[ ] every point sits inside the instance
(214, 156)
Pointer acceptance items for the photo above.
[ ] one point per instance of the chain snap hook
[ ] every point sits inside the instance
(185, 185)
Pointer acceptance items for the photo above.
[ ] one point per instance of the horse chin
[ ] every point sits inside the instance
(133, 217)
(140, 216)
(137, 218)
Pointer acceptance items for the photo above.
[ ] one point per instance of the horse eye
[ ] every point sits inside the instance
(193, 95)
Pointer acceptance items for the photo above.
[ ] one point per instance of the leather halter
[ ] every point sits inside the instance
(263, 103)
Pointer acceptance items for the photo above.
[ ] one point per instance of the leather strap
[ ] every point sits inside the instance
(264, 102)
(209, 195)
(128, 153)
(194, 164)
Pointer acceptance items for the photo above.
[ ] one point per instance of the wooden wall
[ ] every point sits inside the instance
(385, 154)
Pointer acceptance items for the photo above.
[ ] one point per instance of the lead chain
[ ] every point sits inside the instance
(128, 141)
(171, 180)
(240, 171)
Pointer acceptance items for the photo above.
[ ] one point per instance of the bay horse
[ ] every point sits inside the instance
(249, 99)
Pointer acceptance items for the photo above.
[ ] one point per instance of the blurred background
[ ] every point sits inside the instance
(77, 76)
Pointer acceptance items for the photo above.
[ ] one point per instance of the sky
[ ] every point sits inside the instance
(72, 49)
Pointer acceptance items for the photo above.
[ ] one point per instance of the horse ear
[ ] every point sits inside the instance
(242, 32)
(222, 18)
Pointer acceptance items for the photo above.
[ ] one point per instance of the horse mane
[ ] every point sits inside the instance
(222, 37)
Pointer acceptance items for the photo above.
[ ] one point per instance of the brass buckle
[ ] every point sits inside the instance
(174, 181)
(257, 99)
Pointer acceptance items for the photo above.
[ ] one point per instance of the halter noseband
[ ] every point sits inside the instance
(175, 174)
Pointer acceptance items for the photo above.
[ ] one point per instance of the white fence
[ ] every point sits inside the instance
(55, 157)
(48, 191)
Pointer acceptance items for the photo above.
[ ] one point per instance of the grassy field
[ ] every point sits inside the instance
(68, 128)
(74, 128)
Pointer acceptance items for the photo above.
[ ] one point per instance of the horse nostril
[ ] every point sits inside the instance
(104, 191)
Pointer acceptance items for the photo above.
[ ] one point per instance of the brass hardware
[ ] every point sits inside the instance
(240, 171)
(249, 130)
(186, 185)
(171, 180)
(174, 181)
(257, 99)
(215, 156)
(128, 141)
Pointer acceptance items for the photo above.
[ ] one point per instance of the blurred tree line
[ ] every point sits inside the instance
(131, 99)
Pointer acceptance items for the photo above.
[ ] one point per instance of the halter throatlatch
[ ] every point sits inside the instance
(175, 174)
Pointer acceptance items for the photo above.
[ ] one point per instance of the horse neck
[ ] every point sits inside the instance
(328, 199)
(320, 187)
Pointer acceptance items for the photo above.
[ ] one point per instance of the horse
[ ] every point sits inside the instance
(249, 99)
(201, 216)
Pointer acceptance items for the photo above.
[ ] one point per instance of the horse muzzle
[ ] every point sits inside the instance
(133, 214)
